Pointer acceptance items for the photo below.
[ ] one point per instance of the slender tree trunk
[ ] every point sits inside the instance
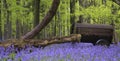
(104, 2)
(113, 23)
(25, 27)
(0, 22)
(36, 8)
(18, 28)
(7, 25)
(44, 22)
(59, 24)
(72, 17)
(18, 22)
(9, 28)
(55, 25)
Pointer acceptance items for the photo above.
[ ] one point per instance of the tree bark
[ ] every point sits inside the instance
(7, 25)
(36, 8)
(72, 17)
(44, 22)
(42, 43)
(18, 28)
(0, 22)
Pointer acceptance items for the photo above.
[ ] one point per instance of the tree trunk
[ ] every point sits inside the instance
(44, 22)
(72, 17)
(104, 2)
(55, 25)
(41, 43)
(0, 23)
(7, 25)
(36, 7)
(18, 22)
(113, 23)
(9, 28)
(18, 28)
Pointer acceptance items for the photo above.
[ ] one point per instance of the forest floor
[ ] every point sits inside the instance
(63, 52)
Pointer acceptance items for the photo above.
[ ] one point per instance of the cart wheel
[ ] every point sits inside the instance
(103, 42)
(94, 44)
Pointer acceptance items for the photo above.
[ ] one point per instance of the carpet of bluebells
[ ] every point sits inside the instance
(63, 52)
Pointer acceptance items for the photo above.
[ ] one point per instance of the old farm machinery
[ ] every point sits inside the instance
(101, 34)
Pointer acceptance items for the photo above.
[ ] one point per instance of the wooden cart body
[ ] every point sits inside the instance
(91, 33)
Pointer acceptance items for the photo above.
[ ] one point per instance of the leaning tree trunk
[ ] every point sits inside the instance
(44, 22)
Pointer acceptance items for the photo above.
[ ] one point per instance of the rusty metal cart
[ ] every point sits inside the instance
(95, 33)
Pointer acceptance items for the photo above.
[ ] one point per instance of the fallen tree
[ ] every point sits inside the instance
(42, 43)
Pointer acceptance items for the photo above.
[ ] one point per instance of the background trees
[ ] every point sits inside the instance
(20, 16)
(47, 18)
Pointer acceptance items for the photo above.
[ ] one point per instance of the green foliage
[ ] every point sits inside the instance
(12, 56)
(95, 12)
